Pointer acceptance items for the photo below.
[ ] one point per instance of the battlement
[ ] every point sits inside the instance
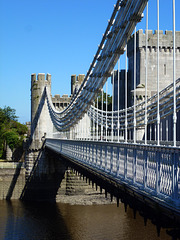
(41, 77)
(76, 82)
(165, 40)
(58, 97)
(80, 78)
(61, 102)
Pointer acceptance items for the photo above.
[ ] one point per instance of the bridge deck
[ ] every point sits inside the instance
(150, 171)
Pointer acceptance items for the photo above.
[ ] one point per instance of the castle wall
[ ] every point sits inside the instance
(61, 102)
(165, 59)
(12, 180)
(121, 89)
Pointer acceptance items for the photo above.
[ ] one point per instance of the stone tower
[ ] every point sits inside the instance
(165, 72)
(39, 109)
(165, 59)
(41, 124)
(165, 65)
(37, 88)
(76, 82)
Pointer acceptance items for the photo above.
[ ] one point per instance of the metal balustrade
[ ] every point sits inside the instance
(152, 170)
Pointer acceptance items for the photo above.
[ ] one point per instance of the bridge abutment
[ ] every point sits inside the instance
(47, 177)
(40, 173)
(44, 180)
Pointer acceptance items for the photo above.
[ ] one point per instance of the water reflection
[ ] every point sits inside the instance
(32, 222)
(107, 222)
(19, 221)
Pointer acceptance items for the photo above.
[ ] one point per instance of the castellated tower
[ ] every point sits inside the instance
(39, 108)
(37, 88)
(165, 65)
(165, 72)
(165, 59)
(41, 124)
(76, 82)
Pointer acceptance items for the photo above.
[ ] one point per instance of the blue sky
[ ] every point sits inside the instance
(57, 37)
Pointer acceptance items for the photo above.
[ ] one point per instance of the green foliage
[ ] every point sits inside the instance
(12, 138)
(109, 101)
(7, 114)
(11, 131)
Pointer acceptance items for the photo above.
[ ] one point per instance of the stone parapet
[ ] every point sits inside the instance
(61, 102)
(165, 40)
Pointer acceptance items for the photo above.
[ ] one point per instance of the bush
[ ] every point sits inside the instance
(11, 131)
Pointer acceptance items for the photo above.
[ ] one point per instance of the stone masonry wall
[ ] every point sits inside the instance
(73, 188)
(12, 180)
(165, 59)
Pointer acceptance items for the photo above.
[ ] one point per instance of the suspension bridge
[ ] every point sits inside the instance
(134, 148)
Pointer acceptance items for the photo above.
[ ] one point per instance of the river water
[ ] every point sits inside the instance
(20, 221)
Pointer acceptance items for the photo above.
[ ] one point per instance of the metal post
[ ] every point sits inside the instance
(134, 85)
(97, 121)
(145, 167)
(118, 96)
(157, 171)
(93, 121)
(126, 96)
(82, 129)
(112, 126)
(85, 137)
(158, 115)
(106, 107)
(174, 75)
(175, 181)
(145, 122)
(75, 132)
(102, 115)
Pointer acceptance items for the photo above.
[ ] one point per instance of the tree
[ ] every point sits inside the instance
(11, 131)
(109, 101)
(12, 139)
(7, 114)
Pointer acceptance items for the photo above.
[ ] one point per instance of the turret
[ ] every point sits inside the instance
(44, 125)
(37, 88)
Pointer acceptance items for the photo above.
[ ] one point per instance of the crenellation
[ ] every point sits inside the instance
(165, 61)
(48, 77)
(76, 82)
(165, 39)
(41, 77)
(57, 96)
(33, 78)
(168, 32)
(150, 32)
(61, 102)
